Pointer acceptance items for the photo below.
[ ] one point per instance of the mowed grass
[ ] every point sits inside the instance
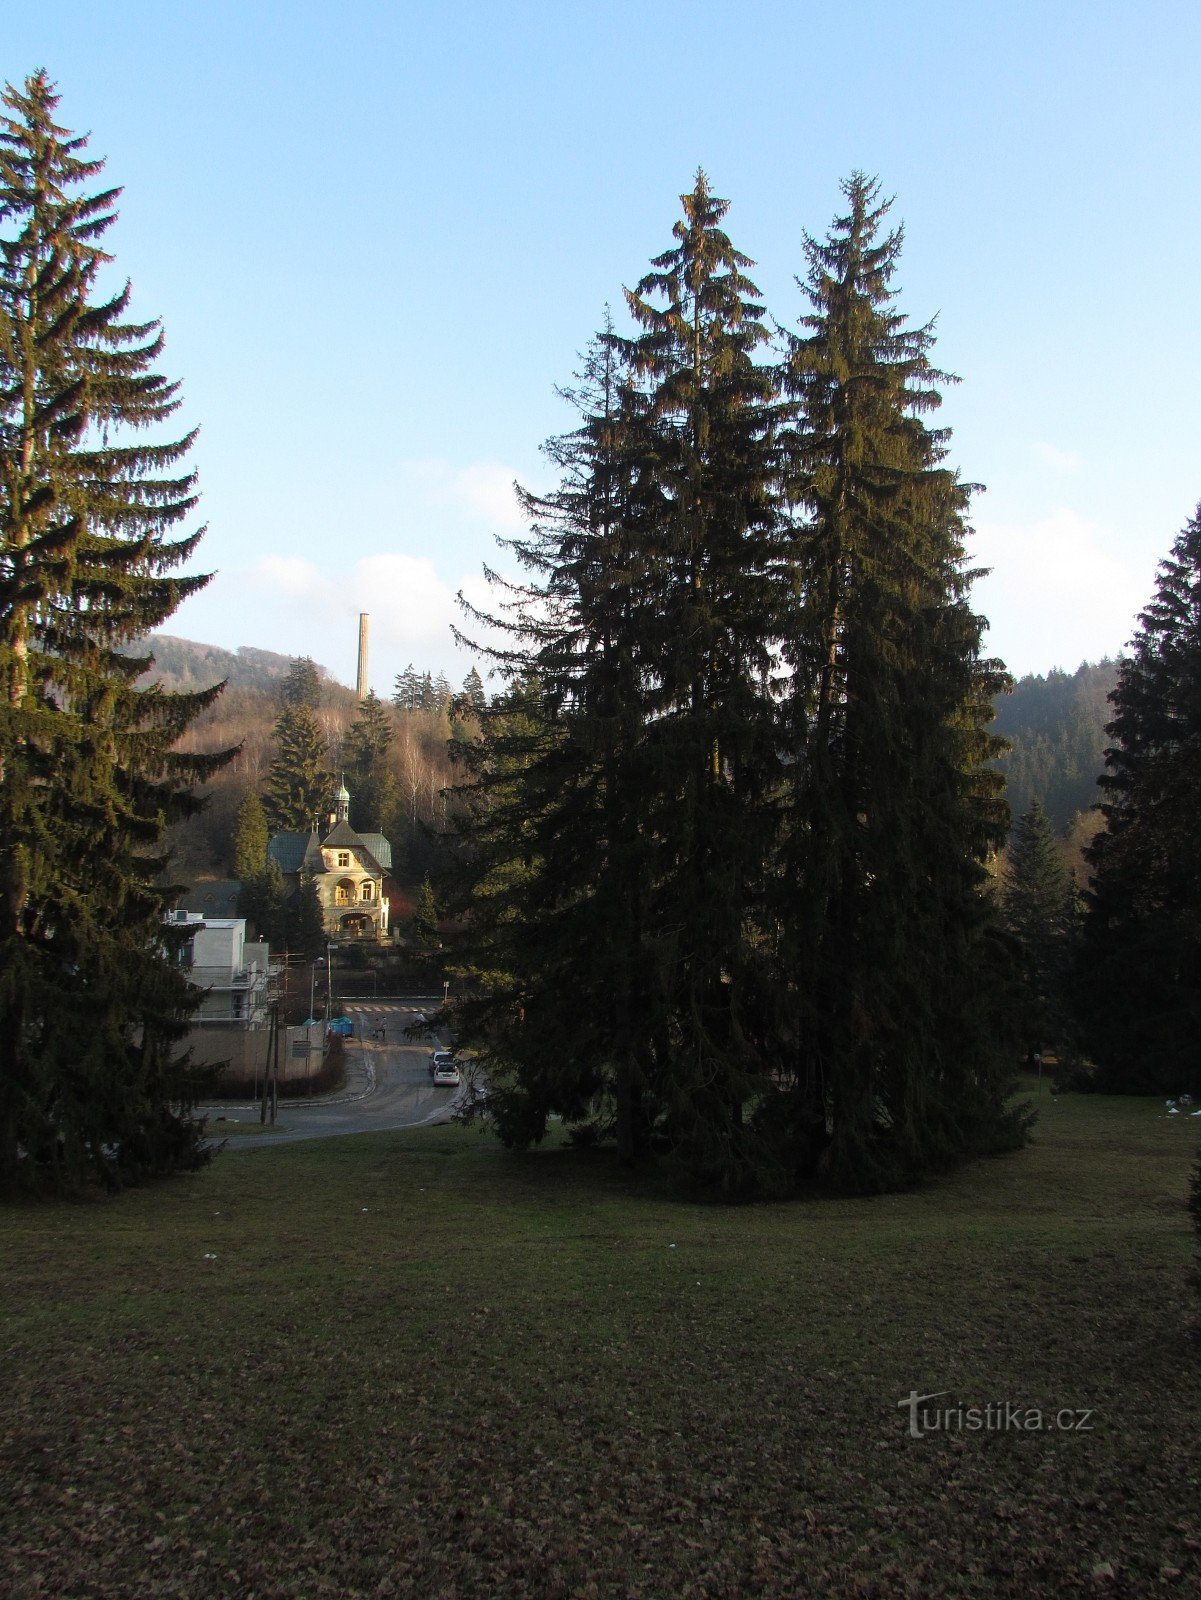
(422, 1365)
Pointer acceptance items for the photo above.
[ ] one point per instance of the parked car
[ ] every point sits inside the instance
(441, 1058)
(446, 1075)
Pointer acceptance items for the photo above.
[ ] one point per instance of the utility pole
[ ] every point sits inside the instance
(267, 1068)
(271, 1068)
(275, 1062)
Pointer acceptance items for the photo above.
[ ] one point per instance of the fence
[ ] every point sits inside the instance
(239, 1057)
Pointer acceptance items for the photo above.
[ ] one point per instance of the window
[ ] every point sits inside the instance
(367, 891)
(343, 858)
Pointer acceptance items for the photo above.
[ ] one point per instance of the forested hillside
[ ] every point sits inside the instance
(1056, 729)
(1055, 724)
(417, 728)
(185, 664)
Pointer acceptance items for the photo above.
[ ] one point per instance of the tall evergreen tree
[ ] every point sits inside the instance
(1141, 976)
(708, 495)
(555, 842)
(643, 808)
(250, 837)
(263, 901)
(474, 693)
(540, 1055)
(91, 1005)
(369, 775)
(891, 810)
(300, 786)
(598, 610)
(425, 914)
(262, 897)
(407, 691)
(302, 686)
(1038, 899)
(735, 805)
(305, 929)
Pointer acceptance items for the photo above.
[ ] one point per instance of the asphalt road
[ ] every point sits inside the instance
(387, 1086)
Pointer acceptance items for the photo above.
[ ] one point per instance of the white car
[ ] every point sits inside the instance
(446, 1075)
(440, 1058)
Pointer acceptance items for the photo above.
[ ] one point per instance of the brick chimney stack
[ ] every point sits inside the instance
(362, 685)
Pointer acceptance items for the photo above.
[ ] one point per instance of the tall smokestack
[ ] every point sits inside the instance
(362, 687)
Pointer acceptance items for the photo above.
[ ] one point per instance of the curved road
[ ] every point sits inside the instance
(387, 1086)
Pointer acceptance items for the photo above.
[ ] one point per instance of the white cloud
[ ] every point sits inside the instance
(482, 489)
(292, 576)
(1059, 592)
(1061, 460)
(488, 490)
(306, 609)
(404, 595)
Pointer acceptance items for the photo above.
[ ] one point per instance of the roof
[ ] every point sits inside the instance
(343, 837)
(216, 898)
(288, 850)
(379, 848)
(296, 852)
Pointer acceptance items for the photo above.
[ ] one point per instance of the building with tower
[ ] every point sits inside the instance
(348, 870)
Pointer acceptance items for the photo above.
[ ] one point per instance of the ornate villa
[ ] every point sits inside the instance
(348, 869)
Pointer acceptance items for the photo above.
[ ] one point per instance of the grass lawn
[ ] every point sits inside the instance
(421, 1365)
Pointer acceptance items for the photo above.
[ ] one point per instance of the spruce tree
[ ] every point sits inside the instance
(263, 901)
(885, 983)
(474, 694)
(543, 1047)
(707, 488)
(261, 897)
(299, 787)
(305, 930)
(91, 497)
(1140, 987)
(629, 817)
(407, 690)
(302, 686)
(250, 837)
(1038, 900)
(727, 827)
(553, 820)
(368, 773)
(425, 914)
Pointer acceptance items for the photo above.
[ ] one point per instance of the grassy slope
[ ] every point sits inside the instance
(500, 1378)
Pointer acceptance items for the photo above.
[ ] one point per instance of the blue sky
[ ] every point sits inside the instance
(378, 234)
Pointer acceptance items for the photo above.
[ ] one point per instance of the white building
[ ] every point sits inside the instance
(230, 970)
